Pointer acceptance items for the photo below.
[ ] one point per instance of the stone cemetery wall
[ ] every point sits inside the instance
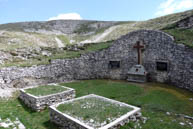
(57, 71)
(114, 63)
(159, 47)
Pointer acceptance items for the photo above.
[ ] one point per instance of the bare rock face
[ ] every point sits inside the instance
(186, 23)
(57, 26)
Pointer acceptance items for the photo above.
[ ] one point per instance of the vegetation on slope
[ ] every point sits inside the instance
(184, 36)
(17, 41)
(181, 35)
(154, 99)
(57, 54)
(85, 28)
(89, 29)
(153, 24)
(64, 39)
(10, 41)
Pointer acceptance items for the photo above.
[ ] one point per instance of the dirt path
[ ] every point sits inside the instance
(100, 37)
(59, 42)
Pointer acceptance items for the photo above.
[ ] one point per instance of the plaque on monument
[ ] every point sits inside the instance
(162, 66)
(114, 64)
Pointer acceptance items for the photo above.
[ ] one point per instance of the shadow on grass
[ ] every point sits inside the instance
(25, 107)
(46, 122)
(50, 125)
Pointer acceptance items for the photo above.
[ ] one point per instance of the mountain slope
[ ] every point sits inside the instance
(80, 31)
(35, 41)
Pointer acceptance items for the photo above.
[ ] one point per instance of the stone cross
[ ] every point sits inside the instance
(139, 48)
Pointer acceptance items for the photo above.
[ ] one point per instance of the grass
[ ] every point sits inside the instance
(64, 39)
(94, 108)
(45, 90)
(32, 120)
(11, 41)
(154, 99)
(184, 36)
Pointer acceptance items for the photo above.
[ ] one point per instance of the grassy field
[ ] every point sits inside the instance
(45, 90)
(154, 100)
(100, 111)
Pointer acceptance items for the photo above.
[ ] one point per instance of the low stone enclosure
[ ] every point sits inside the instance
(92, 112)
(40, 102)
(164, 60)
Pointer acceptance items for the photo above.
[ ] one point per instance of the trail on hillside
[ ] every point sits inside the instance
(100, 37)
(59, 42)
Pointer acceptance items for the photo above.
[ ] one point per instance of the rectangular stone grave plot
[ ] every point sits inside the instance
(39, 97)
(92, 112)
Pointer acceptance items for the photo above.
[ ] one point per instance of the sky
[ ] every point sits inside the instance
(105, 10)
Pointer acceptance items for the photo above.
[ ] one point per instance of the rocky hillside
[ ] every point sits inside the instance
(58, 26)
(35, 41)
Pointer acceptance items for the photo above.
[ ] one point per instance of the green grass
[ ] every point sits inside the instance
(32, 120)
(45, 90)
(94, 108)
(154, 99)
(184, 36)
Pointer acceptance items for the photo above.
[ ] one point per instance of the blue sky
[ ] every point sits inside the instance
(115, 10)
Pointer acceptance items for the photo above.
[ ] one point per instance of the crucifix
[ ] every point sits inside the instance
(139, 47)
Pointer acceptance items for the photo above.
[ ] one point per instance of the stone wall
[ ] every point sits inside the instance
(159, 47)
(39, 103)
(57, 71)
(66, 121)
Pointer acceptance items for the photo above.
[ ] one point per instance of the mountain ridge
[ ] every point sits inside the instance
(24, 41)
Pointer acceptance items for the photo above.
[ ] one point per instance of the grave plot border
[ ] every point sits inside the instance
(69, 122)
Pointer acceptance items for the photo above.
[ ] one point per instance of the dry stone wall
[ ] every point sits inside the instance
(67, 121)
(159, 47)
(39, 103)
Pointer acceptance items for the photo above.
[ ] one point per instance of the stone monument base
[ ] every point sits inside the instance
(137, 74)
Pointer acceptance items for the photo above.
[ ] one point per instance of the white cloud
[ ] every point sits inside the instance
(67, 16)
(172, 6)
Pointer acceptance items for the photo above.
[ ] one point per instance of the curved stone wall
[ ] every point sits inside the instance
(159, 47)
